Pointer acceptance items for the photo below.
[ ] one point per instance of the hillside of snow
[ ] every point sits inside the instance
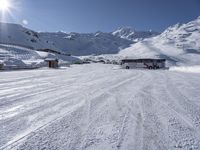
(16, 57)
(72, 43)
(15, 34)
(87, 44)
(96, 43)
(179, 44)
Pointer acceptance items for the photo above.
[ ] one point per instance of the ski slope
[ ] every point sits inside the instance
(18, 57)
(97, 106)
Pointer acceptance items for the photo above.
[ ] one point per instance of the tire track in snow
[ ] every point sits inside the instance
(37, 92)
(105, 91)
(141, 102)
(122, 129)
(192, 109)
(134, 115)
(53, 99)
(152, 125)
(22, 79)
(31, 94)
(119, 84)
(128, 113)
(157, 119)
(177, 121)
(25, 83)
(165, 98)
(14, 144)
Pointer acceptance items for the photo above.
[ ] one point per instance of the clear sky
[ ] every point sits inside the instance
(103, 15)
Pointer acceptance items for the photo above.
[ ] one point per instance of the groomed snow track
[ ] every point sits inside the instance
(96, 106)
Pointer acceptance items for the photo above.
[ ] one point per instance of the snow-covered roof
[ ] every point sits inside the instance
(51, 59)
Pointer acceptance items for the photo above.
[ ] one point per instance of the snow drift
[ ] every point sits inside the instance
(189, 69)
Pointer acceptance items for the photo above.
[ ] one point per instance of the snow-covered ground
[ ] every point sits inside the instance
(18, 57)
(96, 106)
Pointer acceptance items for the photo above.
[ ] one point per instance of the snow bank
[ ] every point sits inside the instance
(189, 69)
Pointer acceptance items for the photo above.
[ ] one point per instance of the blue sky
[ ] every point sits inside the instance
(103, 15)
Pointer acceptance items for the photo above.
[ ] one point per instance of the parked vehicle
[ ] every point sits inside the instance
(147, 63)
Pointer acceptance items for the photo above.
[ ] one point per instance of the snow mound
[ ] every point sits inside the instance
(189, 69)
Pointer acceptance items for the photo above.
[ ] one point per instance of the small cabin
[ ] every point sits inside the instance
(147, 63)
(52, 63)
(1, 65)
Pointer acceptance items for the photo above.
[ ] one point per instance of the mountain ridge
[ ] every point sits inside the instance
(72, 43)
(134, 35)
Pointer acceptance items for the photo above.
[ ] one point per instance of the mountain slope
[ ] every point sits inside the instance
(95, 43)
(16, 57)
(128, 33)
(87, 44)
(179, 44)
(18, 35)
(71, 43)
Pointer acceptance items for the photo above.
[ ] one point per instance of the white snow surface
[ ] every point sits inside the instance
(96, 106)
(192, 69)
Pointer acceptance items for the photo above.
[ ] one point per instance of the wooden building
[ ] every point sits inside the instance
(52, 63)
(1, 65)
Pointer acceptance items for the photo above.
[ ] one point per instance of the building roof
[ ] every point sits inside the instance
(144, 59)
(51, 59)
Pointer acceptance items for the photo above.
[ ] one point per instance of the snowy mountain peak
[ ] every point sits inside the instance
(184, 33)
(61, 32)
(198, 20)
(188, 27)
(123, 31)
(133, 35)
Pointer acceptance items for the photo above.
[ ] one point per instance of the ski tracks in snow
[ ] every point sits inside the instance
(102, 108)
